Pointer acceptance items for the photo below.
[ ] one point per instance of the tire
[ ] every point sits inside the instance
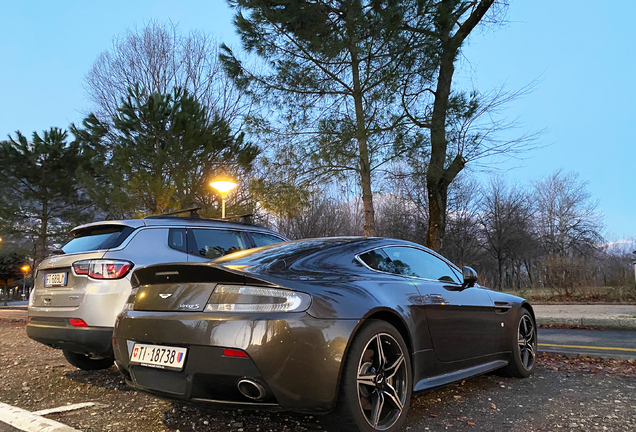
(524, 346)
(381, 398)
(84, 362)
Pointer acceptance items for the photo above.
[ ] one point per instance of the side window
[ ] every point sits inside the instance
(177, 239)
(418, 263)
(261, 239)
(377, 260)
(213, 243)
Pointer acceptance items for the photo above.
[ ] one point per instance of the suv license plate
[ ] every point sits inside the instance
(55, 279)
(158, 356)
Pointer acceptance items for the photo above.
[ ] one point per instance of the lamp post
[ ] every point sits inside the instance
(223, 185)
(25, 270)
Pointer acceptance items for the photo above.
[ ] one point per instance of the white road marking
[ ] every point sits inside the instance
(30, 422)
(64, 408)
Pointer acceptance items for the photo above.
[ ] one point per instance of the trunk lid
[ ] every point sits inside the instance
(72, 292)
(181, 287)
(89, 242)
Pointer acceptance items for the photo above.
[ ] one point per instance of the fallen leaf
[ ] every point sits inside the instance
(470, 424)
(434, 415)
(493, 406)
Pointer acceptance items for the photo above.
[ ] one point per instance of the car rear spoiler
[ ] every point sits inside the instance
(190, 273)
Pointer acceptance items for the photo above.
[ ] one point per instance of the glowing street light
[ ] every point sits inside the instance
(223, 185)
(25, 270)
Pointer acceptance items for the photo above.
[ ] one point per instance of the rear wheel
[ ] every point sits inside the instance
(524, 347)
(375, 391)
(85, 362)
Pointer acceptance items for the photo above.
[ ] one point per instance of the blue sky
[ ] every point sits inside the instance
(582, 53)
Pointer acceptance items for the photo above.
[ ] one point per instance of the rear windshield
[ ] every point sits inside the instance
(289, 252)
(97, 238)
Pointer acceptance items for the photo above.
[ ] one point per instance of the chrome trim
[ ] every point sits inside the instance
(167, 273)
(261, 390)
(357, 256)
(224, 402)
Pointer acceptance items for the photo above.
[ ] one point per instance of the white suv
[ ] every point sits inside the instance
(78, 294)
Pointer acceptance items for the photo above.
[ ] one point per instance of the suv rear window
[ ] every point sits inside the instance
(261, 239)
(97, 238)
(214, 243)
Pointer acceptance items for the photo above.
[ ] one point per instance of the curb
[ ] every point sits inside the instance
(602, 323)
(553, 352)
(14, 319)
(29, 422)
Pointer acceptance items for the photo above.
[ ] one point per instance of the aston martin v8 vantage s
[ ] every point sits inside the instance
(349, 325)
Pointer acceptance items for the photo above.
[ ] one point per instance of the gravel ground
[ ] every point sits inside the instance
(574, 394)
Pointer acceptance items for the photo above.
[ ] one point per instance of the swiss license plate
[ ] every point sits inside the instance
(55, 279)
(158, 356)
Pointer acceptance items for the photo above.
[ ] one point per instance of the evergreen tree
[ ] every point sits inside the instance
(40, 200)
(159, 153)
(331, 75)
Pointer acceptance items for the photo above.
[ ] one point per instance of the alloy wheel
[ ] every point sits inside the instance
(527, 337)
(382, 381)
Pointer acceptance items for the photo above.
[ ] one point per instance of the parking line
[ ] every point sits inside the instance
(64, 408)
(589, 347)
(30, 422)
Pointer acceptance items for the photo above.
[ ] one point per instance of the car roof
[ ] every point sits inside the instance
(322, 249)
(176, 221)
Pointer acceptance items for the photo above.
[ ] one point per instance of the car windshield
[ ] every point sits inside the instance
(97, 238)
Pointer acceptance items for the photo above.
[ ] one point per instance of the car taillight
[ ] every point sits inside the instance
(77, 322)
(102, 269)
(81, 267)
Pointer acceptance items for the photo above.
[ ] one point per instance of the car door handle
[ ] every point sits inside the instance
(502, 307)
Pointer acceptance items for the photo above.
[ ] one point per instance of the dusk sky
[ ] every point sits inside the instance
(581, 53)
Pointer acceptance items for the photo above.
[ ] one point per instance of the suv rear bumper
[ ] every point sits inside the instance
(95, 341)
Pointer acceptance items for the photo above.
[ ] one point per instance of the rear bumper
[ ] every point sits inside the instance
(95, 341)
(295, 357)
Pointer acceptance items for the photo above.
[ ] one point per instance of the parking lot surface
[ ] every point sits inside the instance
(563, 394)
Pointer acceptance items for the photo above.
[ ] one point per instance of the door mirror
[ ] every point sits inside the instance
(470, 277)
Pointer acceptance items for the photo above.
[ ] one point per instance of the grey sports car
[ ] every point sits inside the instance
(350, 326)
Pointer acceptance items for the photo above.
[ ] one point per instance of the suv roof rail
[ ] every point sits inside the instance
(194, 213)
(246, 219)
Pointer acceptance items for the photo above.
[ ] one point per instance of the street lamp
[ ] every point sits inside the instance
(25, 270)
(224, 185)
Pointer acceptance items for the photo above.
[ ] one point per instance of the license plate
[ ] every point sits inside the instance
(55, 279)
(158, 356)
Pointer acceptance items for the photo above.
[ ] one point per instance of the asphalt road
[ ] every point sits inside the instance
(569, 394)
(611, 344)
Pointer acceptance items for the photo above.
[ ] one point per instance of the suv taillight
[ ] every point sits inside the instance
(102, 269)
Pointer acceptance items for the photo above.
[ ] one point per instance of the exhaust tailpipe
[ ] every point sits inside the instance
(251, 389)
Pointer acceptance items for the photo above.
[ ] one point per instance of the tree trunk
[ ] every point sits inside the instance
(43, 235)
(439, 177)
(437, 200)
(363, 150)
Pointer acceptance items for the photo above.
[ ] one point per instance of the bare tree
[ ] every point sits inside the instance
(159, 58)
(460, 124)
(568, 220)
(505, 218)
(398, 217)
(462, 243)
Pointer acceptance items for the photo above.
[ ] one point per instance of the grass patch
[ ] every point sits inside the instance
(605, 294)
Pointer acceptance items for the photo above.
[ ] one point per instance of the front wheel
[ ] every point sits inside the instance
(377, 381)
(87, 363)
(524, 347)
